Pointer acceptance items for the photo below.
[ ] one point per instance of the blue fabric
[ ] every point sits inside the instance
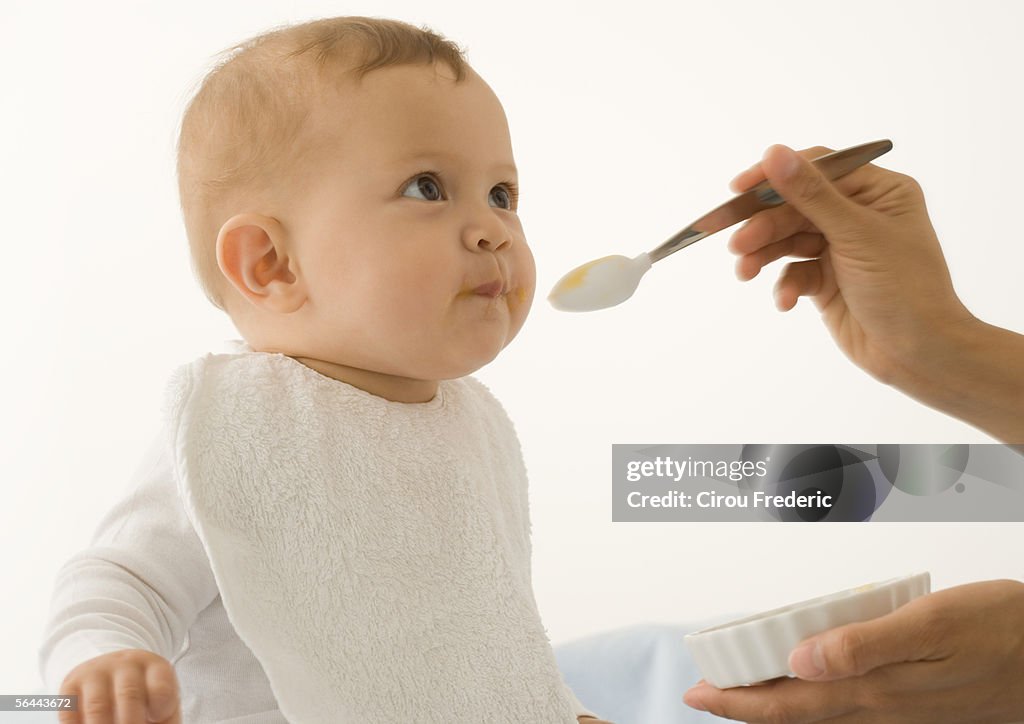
(634, 675)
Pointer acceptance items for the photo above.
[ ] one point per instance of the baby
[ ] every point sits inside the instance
(332, 525)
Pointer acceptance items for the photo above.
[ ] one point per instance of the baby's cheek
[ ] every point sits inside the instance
(526, 277)
(526, 267)
(427, 290)
(406, 282)
(417, 301)
(519, 302)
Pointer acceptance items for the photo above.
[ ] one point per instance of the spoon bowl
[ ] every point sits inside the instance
(599, 284)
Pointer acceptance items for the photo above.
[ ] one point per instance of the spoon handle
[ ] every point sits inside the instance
(761, 197)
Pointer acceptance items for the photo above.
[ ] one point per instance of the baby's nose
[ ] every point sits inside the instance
(493, 243)
(491, 246)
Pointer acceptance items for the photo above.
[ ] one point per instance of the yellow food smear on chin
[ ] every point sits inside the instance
(575, 278)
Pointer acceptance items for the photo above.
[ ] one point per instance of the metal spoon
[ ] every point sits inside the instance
(612, 280)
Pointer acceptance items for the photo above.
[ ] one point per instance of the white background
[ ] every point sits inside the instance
(627, 123)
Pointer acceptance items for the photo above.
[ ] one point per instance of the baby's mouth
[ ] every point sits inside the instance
(491, 289)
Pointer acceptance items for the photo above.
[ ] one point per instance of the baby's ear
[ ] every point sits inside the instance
(252, 256)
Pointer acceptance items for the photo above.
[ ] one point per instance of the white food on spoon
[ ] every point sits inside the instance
(599, 284)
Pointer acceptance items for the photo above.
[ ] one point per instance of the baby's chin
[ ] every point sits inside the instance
(465, 359)
(459, 366)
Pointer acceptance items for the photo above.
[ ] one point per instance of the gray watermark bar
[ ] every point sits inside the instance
(38, 702)
(818, 483)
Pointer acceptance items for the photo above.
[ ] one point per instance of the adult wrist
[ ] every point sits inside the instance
(971, 370)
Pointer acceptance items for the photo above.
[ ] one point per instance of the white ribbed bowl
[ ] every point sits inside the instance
(757, 648)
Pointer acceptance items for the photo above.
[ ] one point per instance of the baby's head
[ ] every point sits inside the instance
(349, 195)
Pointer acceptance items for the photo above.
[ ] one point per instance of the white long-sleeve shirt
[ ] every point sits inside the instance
(152, 580)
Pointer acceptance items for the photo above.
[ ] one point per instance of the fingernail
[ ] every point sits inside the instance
(807, 661)
(789, 162)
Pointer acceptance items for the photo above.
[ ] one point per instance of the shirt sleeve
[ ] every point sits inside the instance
(140, 584)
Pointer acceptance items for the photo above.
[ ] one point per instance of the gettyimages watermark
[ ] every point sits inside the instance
(818, 483)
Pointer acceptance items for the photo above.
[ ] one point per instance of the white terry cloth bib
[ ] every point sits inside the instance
(373, 555)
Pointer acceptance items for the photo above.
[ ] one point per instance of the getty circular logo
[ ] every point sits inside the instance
(853, 482)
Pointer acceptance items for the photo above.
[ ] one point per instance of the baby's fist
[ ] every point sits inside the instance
(132, 686)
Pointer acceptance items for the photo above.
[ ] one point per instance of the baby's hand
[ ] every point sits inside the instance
(591, 720)
(132, 686)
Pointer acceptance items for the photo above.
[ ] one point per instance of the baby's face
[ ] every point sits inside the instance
(408, 242)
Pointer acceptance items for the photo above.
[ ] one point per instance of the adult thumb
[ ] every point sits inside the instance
(857, 648)
(804, 187)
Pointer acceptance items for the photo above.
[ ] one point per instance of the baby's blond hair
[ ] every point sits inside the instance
(241, 133)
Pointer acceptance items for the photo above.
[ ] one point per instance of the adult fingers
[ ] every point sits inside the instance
(874, 697)
(863, 187)
(798, 279)
(864, 184)
(783, 700)
(906, 634)
(755, 174)
(804, 245)
(911, 697)
(767, 227)
(806, 188)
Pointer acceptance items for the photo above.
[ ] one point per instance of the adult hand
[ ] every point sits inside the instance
(955, 656)
(874, 268)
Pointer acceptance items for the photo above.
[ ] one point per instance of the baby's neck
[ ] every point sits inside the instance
(390, 387)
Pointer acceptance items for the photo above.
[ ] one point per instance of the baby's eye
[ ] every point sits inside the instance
(429, 189)
(508, 196)
(425, 184)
